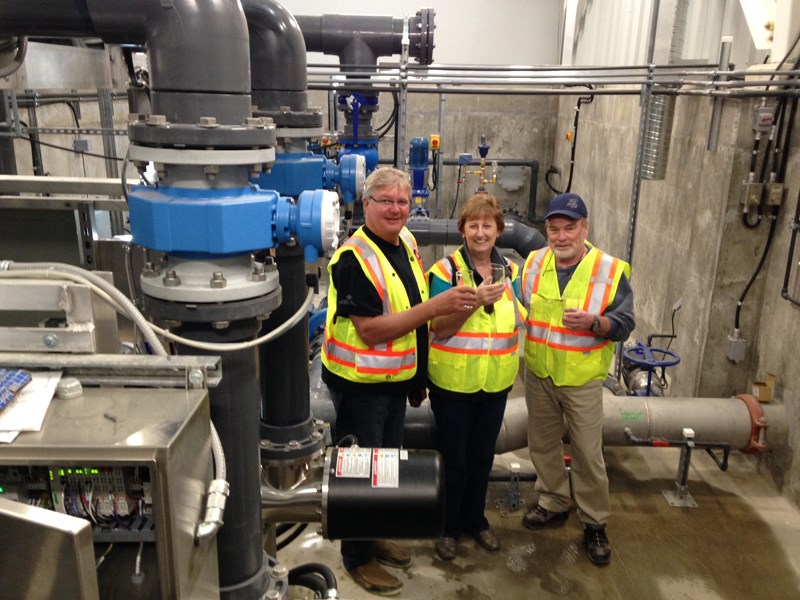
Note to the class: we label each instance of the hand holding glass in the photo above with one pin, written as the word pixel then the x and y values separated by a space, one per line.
pixel 498 273
pixel 464 277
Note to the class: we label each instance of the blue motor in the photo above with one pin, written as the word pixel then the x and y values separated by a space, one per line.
pixel 418 167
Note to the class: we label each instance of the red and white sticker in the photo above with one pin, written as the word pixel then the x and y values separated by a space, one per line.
pixel 353 462
pixel 385 467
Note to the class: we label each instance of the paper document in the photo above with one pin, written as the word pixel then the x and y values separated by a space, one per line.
pixel 28 408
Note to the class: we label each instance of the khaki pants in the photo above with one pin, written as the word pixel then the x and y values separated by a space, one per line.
pixel 580 408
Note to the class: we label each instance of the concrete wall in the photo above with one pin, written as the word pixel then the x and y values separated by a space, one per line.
pixel 690 245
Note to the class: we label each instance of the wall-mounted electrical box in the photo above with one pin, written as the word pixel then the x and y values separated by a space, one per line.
pixel 135 465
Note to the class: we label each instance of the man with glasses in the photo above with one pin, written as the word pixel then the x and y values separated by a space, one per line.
pixel 376 343
pixel 580 303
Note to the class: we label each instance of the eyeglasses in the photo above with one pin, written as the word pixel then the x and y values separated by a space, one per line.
pixel 387 202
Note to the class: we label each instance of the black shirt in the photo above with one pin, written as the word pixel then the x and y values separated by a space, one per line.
pixel 356 295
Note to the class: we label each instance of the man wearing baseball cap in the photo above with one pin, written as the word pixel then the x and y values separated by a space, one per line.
pixel 579 304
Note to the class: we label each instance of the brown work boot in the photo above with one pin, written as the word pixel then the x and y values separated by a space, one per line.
pixel 375 579
pixel 390 554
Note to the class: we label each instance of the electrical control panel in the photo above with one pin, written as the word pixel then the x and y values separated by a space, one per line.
pixel 135 463
pixel 116 501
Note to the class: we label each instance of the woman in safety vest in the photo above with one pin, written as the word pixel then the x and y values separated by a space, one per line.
pixel 472 364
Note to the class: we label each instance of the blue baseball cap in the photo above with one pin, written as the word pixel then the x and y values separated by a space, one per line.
pixel 570 206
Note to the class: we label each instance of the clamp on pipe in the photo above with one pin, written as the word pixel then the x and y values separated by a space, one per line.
pixel 758 422
pixel 218 493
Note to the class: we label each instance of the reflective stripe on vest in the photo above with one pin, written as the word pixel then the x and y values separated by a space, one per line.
pixel 373 265
pixel 377 359
pixel 483 354
pixel 343 352
pixel 595 302
pixel 562 338
pixel 463 342
pixel 532 275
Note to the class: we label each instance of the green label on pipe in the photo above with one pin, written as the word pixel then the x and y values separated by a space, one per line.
pixel 632 415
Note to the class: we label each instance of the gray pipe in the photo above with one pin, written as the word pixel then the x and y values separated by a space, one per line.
pixel 360 40
pixel 277 56
pixel 198 49
pixel 715 420
pixel 516 235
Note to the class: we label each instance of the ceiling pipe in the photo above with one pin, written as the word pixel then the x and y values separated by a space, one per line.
pixel 190 76
pixel 277 57
pixel 360 40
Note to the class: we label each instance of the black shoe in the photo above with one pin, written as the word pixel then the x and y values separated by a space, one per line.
pixel 596 542
pixel 539 517
pixel 488 540
pixel 446 548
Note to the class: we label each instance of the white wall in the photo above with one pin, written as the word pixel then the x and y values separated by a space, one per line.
pixel 468 31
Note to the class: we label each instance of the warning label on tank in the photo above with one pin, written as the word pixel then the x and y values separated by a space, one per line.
pixel 353 462
pixel 385 467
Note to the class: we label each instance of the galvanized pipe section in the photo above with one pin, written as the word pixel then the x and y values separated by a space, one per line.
pixel 716 113
pixel 723 420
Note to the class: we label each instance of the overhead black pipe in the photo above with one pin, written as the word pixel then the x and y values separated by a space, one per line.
pixel 516 235
pixel 360 40
pixel 277 57
pixel 197 49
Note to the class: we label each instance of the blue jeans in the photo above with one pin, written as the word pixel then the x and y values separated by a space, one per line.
pixel 466 434
pixel 376 421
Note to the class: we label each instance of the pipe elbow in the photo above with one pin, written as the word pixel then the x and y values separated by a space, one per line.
pixel 277 47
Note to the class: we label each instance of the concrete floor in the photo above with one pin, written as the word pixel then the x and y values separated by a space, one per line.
pixel 741 541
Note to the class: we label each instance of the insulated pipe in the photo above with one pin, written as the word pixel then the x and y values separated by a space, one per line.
pixel 741 422
pixel 190 76
pixel 516 235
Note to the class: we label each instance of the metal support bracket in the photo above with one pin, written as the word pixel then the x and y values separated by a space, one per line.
pixel 135 370
pixel 680 496
pixel 510 504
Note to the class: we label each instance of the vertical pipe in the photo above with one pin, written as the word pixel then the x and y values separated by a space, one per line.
pixel 234 412
pixel 8 158
pixel 439 155
pixel 110 151
pixel 284 362
pixel 716 114
pixel 402 108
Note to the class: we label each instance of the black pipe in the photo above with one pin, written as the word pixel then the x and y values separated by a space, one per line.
pixel 8 158
pixel 790 257
pixel 518 236
pixel 234 412
pixel 277 56
pixel 322 570
pixel 310 581
pixel 190 76
pixel 360 40
pixel 283 362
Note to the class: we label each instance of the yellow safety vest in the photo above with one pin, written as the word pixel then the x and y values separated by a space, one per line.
pixel 483 354
pixel 343 353
pixel 569 358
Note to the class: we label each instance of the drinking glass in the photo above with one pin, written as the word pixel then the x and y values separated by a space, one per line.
pixel 464 277
pixel 498 273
